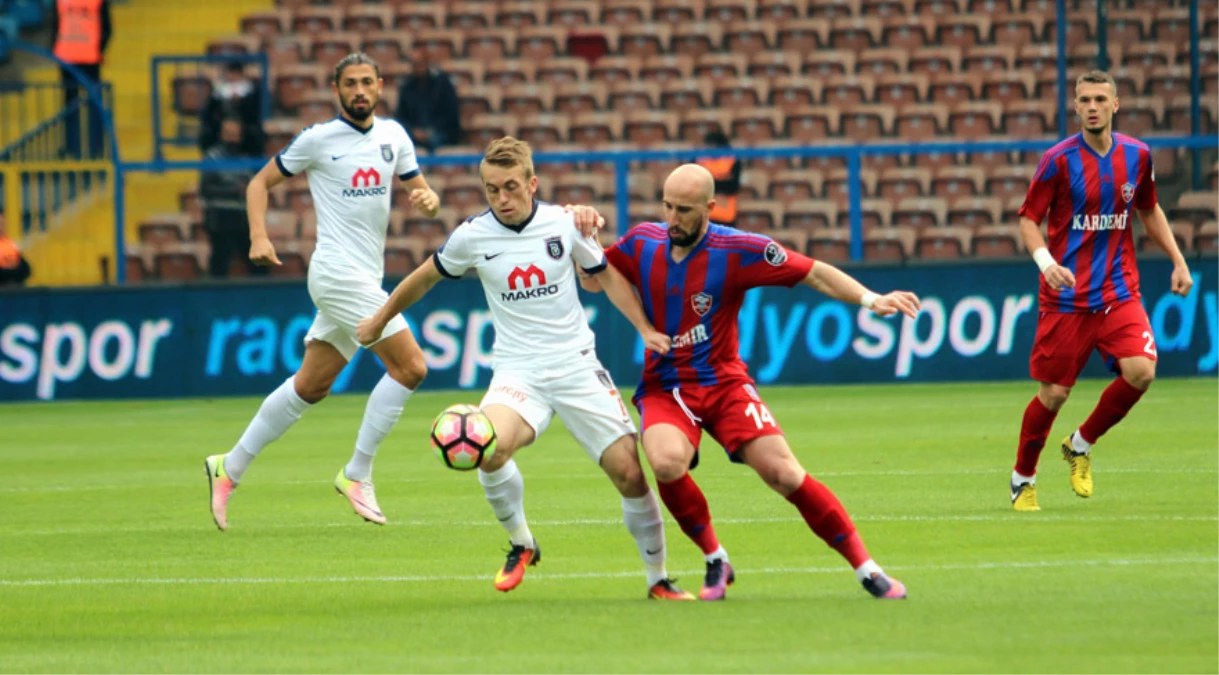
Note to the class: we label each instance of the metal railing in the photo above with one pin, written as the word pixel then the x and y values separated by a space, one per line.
pixel 70 132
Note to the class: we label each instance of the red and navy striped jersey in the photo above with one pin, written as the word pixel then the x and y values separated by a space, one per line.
pixel 696 301
pixel 1087 199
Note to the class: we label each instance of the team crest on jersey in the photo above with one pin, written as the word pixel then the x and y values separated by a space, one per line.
pixel 1128 192
pixel 554 247
pixel 701 303
pixel 605 379
pixel 775 255
pixel 387 152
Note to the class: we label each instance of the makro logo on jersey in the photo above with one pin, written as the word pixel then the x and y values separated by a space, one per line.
pixel 1116 221
pixel 532 283
pixel 61 353
pixel 366 183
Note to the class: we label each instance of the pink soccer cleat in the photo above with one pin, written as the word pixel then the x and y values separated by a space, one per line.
pixel 363 497
pixel 884 587
pixel 720 576
pixel 221 488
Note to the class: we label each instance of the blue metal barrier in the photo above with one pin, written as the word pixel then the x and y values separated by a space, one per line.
pixel 159 62
pixel 622 161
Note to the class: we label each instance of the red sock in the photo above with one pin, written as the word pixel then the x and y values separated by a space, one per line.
pixel 1034 429
pixel 1117 400
pixel 689 507
pixel 828 520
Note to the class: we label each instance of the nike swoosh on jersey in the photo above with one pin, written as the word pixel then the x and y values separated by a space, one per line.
pixel 488 256
pixel 335 158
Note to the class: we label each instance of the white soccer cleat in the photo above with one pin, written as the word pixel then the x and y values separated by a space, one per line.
pixel 363 497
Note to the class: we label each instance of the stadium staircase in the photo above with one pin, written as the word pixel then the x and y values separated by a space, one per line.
pixel 142 29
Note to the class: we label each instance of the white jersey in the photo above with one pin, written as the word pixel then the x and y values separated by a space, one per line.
pixel 350 173
pixel 531 287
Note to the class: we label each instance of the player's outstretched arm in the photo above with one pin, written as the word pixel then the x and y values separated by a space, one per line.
pixel 408 292
pixel 622 293
pixel 841 286
pixel 262 252
pixel 1156 224
pixel 1056 275
pixel 422 196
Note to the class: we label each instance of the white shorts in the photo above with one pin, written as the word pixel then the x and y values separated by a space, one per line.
pixel 342 302
pixel 582 394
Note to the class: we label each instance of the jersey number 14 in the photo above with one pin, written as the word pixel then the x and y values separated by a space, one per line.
pixel 760 414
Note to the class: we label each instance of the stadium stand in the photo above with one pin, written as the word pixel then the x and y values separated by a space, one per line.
pixel 580 75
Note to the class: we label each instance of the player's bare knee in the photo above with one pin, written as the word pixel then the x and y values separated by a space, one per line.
pixel 629 480
pixel 496 461
pixel 1140 376
pixel 668 467
pixel 312 391
pixel 1054 396
pixel 410 372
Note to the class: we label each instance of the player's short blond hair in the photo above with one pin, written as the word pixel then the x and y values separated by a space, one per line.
pixel 508 152
pixel 1097 77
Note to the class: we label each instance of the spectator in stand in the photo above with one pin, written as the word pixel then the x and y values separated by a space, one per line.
pixel 234 96
pixel 727 174
pixel 82 29
pixel 224 212
pixel 14 269
pixel 427 105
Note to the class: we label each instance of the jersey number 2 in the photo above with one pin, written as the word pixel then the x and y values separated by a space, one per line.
pixel 760 414
pixel 1150 347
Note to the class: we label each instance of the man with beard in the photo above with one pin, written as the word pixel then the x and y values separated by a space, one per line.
pixel 351 161
pixel 692 276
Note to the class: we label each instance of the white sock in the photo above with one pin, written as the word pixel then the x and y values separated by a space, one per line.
pixel 1080 444
pixel 867 569
pixel 644 522
pixel 1018 479
pixel 717 554
pixel 278 412
pixel 384 407
pixel 505 491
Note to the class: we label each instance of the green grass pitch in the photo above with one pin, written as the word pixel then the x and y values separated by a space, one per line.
pixel 109 561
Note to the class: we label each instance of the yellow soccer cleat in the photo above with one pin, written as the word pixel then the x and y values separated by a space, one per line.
pixel 1081 468
pixel 1024 497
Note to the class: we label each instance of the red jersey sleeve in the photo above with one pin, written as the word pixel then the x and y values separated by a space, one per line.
pixel 622 256
pixel 1041 191
pixel 770 264
pixel 1145 194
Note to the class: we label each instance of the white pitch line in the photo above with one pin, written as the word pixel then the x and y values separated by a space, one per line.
pixel 617 522
pixel 592 475
pixel 184 581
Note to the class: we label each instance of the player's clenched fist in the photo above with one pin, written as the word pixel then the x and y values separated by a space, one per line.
pixel 369 331
pixel 898 301
pixel 425 201
pixel 1182 281
pixel 1059 278
pixel 262 252
pixel 657 342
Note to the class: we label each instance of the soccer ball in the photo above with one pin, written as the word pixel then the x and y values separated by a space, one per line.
pixel 463 437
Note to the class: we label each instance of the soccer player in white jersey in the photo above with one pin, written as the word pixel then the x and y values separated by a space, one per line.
pixel 545 362
pixel 350 162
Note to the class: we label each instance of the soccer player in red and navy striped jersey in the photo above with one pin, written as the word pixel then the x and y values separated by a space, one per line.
pixel 692 275
pixel 1085 189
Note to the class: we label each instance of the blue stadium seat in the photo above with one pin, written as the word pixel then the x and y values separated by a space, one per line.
pixel 27 13
pixel 8 34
